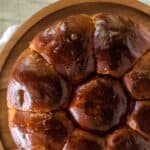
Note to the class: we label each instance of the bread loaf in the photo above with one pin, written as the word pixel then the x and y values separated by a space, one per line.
pixel 83 84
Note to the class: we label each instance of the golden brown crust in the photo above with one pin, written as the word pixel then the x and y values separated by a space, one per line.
pixel 139 119
pixel 81 140
pixel 41 130
pixel 118 43
pixel 99 104
pixel 126 139
pixel 71 76
pixel 137 80
pixel 68 46
pixel 35 86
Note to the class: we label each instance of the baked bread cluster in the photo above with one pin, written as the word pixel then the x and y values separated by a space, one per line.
pixel 83 84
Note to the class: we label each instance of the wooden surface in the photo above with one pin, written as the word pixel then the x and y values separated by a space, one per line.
pixel 25 33
pixel 1 146
pixel 18 10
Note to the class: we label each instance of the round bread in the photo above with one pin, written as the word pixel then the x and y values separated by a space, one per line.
pixel 83 84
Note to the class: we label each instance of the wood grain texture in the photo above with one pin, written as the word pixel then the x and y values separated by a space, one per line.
pixel 42 19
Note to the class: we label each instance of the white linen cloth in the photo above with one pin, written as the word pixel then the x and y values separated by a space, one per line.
pixel 7 35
